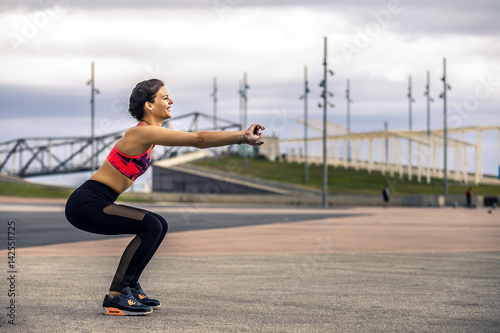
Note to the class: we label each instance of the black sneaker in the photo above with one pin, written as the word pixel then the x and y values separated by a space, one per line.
pixel 124 305
pixel 141 296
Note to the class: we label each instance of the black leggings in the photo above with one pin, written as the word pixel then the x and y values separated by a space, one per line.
pixel 91 208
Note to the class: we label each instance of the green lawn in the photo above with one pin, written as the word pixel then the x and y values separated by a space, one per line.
pixel 32 190
pixel 340 180
pixel 43 191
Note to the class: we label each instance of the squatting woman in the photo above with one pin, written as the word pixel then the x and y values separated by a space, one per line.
pixel 92 206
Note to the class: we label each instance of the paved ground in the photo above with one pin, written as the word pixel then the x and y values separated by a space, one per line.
pixel 357 270
pixel 44 223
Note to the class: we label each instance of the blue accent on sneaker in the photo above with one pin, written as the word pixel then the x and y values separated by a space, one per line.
pixel 141 296
pixel 124 305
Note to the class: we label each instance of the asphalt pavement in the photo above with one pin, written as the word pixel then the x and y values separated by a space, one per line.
pixel 297 293
pixel 45 223
pixel 313 270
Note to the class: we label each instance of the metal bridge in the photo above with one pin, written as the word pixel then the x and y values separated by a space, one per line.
pixel 29 157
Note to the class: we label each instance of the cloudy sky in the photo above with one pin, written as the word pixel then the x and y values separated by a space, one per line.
pixel 47 46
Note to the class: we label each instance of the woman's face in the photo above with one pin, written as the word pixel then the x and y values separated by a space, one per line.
pixel 162 104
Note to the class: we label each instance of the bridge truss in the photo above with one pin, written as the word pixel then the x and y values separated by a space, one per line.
pixel 29 157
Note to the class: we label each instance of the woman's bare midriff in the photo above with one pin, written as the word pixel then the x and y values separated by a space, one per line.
pixel 108 175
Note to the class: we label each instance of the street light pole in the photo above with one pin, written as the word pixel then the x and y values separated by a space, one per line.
pixel 410 102
pixel 325 164
pixel 429 100
pixel 245 101
pixel 348 103
pixel 325 105
pixel 304 97
pixel 410 125
pixel 244 98
pixel 386 129
pixel 214 95
pixel 240 92
pixel 446 87
pixel 93 91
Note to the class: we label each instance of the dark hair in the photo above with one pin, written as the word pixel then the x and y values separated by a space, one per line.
pixel 143 92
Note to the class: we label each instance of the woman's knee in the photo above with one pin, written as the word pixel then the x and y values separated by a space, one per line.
pixel 162 221
pixel 156 224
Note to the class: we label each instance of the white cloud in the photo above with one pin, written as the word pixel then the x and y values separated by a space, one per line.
pixel 187 47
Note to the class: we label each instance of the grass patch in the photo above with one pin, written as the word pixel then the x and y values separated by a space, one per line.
pixel 340 180
pixel 32 190
pixel 47 191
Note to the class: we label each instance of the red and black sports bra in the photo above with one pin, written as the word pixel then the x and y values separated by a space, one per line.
pixel 130 166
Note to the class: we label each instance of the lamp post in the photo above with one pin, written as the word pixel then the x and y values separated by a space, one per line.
pixel 325 105
pixel 410 125
pixel 446 87
pixel 386 129
pixel 244 98
pixel 93 91
pixel 348 121
pixel 410 102
pixel 214 95
pixel 304 97
pixel 429 100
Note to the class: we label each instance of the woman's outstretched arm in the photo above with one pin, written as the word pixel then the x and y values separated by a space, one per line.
pixel 165 137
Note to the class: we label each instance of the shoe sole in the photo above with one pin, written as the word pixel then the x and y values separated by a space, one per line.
pixel 108 311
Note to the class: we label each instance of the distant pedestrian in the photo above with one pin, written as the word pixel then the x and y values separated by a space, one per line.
pixel 468 197
pixel 385 195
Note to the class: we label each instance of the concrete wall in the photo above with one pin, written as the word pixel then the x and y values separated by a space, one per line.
pixel 172 181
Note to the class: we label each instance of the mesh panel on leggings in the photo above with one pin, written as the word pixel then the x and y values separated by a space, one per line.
pixel 121 272
pixel 119 281
pixel 124 211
